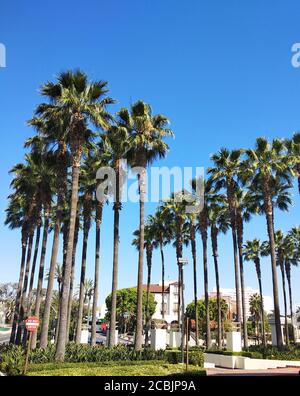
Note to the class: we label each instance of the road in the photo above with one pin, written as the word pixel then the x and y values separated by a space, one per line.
pixel 102 339
pixel 4 337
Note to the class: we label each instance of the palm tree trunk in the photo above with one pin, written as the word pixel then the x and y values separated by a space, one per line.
pixel 114 286
pixel 147 316
pixel 25 284
pixel 99 209
pixel 232 210
pixel 139 316
pixel 27 307
pixel 20 283
pixel 258 272
pixel 63 316
pixel 41 273
pixel 163 279
pixel 240 249
pixel 70 301
pixel 285 303
pixel 193 248
pixel 61 191
pixel 205 275
pixel 288 276
pixel 82 279
pixel 214 242
pixel 270 225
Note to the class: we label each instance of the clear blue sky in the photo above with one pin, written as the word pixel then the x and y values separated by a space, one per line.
pixel 221 71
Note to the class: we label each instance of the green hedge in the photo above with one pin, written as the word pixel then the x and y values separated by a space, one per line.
pixel 12 357
pixel 291 352
pixel 195 356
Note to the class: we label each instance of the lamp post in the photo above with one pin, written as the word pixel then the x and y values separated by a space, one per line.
pixel 181 263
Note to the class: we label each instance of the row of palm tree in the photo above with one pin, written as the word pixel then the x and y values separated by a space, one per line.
pixel 56 189
pixel 64 135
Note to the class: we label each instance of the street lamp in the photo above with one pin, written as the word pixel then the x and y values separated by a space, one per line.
pixel 181 263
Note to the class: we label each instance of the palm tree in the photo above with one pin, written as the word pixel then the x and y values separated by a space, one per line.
pixel 280 246
pixel 224 174
pixel 79 101
pixel 266 162
pixel 163 235
pixel 244 209
pixel 256 309
pixel 16 217
pixel 146 133
pixel 25 184
pixel 219 221
pixel 88 187
pixel 150 243
pixel 293 245
pixel 115 145
pixel 253 251
pixel 99 161
pixel 53 130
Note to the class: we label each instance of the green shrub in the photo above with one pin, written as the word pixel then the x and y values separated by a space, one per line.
pixel 196 356
pixel 12 360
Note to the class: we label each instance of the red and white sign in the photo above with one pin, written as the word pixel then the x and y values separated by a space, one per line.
pixel 32 323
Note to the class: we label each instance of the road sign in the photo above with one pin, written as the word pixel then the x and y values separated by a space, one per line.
pixel 32 323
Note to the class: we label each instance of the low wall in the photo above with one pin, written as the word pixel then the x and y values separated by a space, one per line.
pixel 246 363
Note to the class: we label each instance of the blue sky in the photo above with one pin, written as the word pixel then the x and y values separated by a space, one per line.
pixel 221 71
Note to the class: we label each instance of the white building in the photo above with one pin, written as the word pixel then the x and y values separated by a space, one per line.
pixel 268 301
pixel 170 300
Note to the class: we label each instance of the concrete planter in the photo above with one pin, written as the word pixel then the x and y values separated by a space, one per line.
pixel 246 363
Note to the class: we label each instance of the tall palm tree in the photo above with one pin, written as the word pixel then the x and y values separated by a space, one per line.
pixel 163 234
pixel 264 163
pixel 253 251
pixel 293 247
pixel 150 243
pixel 78 101
pixel 219 221
pixel 256 309
pixel 54 130
pixel 87 187
pixel 225 175
pixel 25 184
pixel 16 217
pixel 244 209
pixel 100 160
pixel 146 133
pixel 280 246
pixel 115 146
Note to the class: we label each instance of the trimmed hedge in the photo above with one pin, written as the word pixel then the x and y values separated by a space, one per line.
pixel 12 357
pixel 291 352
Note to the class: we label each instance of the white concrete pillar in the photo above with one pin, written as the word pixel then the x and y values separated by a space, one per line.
pixel 175 339
pixel 158 339
pixel 84 339
pixel 234 341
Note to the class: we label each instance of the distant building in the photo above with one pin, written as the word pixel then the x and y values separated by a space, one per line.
pixel 229 295
pixel 170 300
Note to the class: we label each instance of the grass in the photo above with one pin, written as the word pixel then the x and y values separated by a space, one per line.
pixel 149 368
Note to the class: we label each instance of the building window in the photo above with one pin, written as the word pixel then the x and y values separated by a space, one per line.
pixel 175 307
